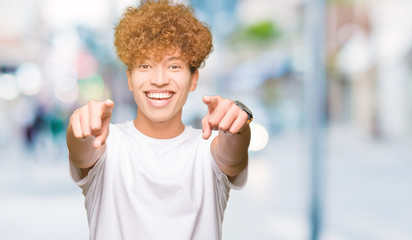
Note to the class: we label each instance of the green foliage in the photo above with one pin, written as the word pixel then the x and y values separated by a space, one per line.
pixel 262 31
pixel 91 87
pixel 259 33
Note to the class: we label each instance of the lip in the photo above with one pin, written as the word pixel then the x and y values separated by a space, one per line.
pixel 158 98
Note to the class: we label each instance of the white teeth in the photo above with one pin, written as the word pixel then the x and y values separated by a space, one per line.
pixel 159 95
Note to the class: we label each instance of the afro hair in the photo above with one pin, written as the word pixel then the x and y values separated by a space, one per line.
pixel 156 29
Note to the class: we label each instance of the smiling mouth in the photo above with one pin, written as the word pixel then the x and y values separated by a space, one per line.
pixel 159 96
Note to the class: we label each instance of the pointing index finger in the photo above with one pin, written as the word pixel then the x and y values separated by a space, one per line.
pixel 210 101
pixel 99 111
pixel 107 107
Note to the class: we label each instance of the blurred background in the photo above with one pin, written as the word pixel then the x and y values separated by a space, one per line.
pixel 332 135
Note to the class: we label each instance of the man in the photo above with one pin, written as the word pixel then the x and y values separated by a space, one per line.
pixel 154 177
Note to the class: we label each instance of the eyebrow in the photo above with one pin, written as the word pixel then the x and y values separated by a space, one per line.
pixel 172 58
pixel 168 59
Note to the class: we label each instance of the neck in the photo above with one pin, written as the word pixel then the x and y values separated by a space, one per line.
pixel 160 130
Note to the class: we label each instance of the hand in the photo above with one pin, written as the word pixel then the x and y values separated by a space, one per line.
pixel 93 119
pixel 224 115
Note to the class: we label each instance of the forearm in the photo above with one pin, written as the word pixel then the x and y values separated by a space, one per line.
pixel 231 151
pixel 81 151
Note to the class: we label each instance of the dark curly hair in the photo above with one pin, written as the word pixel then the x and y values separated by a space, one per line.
pixel 155 29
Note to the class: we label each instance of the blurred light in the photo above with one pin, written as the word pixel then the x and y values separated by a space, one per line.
pixel 9 89
pixel 12 23
pixel 92 87
pixel 67 96
pixel 354 56
pixel 300 59
pixel 223 22
pixel 65 45
pixel 60 13
pixel 87 65
pixel 346 32
pixel 259 138
pixel 29 78
pixel 65 78
pixel 25 112
pixel 259 179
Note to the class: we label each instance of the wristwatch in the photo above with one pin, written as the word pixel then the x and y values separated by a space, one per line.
pixel 246 109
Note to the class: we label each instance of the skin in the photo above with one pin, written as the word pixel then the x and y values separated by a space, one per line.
pixel 160 89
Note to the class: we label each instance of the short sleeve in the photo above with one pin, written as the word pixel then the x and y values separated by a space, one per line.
pixel 85 182
pixel 240 180
pixel 238 183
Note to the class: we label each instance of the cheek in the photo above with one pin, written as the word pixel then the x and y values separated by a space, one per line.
pixel 137 83
pixel 186 82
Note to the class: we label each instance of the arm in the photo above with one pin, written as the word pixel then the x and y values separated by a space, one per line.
pixel 230 147
pixel 87 133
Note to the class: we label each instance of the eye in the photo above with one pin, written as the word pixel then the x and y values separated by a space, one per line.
pixel 175 67
pixel 144 66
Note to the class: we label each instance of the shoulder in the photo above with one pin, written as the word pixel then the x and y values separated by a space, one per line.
pixel 121 128
pixel 124 126
pixel 191 132
pixel 120 132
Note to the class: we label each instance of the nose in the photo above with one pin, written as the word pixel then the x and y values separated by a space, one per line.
pixel 160 78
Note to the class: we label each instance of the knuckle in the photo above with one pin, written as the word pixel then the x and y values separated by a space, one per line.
pixel 244 116
pixel 237 108
pixel 232 131
pixel 86 131
pixel 213 122
pixel 78 135
pixel 94 127
pixel 95 132
pixel 205 120
pixel 226 102
pixel 223 127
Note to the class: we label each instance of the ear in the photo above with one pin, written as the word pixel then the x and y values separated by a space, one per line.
pixel 129 79
pixel 195 78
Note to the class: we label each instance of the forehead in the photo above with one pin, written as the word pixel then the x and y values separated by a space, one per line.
pixel 174 56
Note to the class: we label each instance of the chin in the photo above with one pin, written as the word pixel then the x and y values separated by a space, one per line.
pixel 159 118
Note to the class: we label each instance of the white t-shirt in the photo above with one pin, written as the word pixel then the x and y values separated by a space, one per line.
pixel 146 188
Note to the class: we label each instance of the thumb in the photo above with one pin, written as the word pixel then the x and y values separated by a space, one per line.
pixel 101 139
